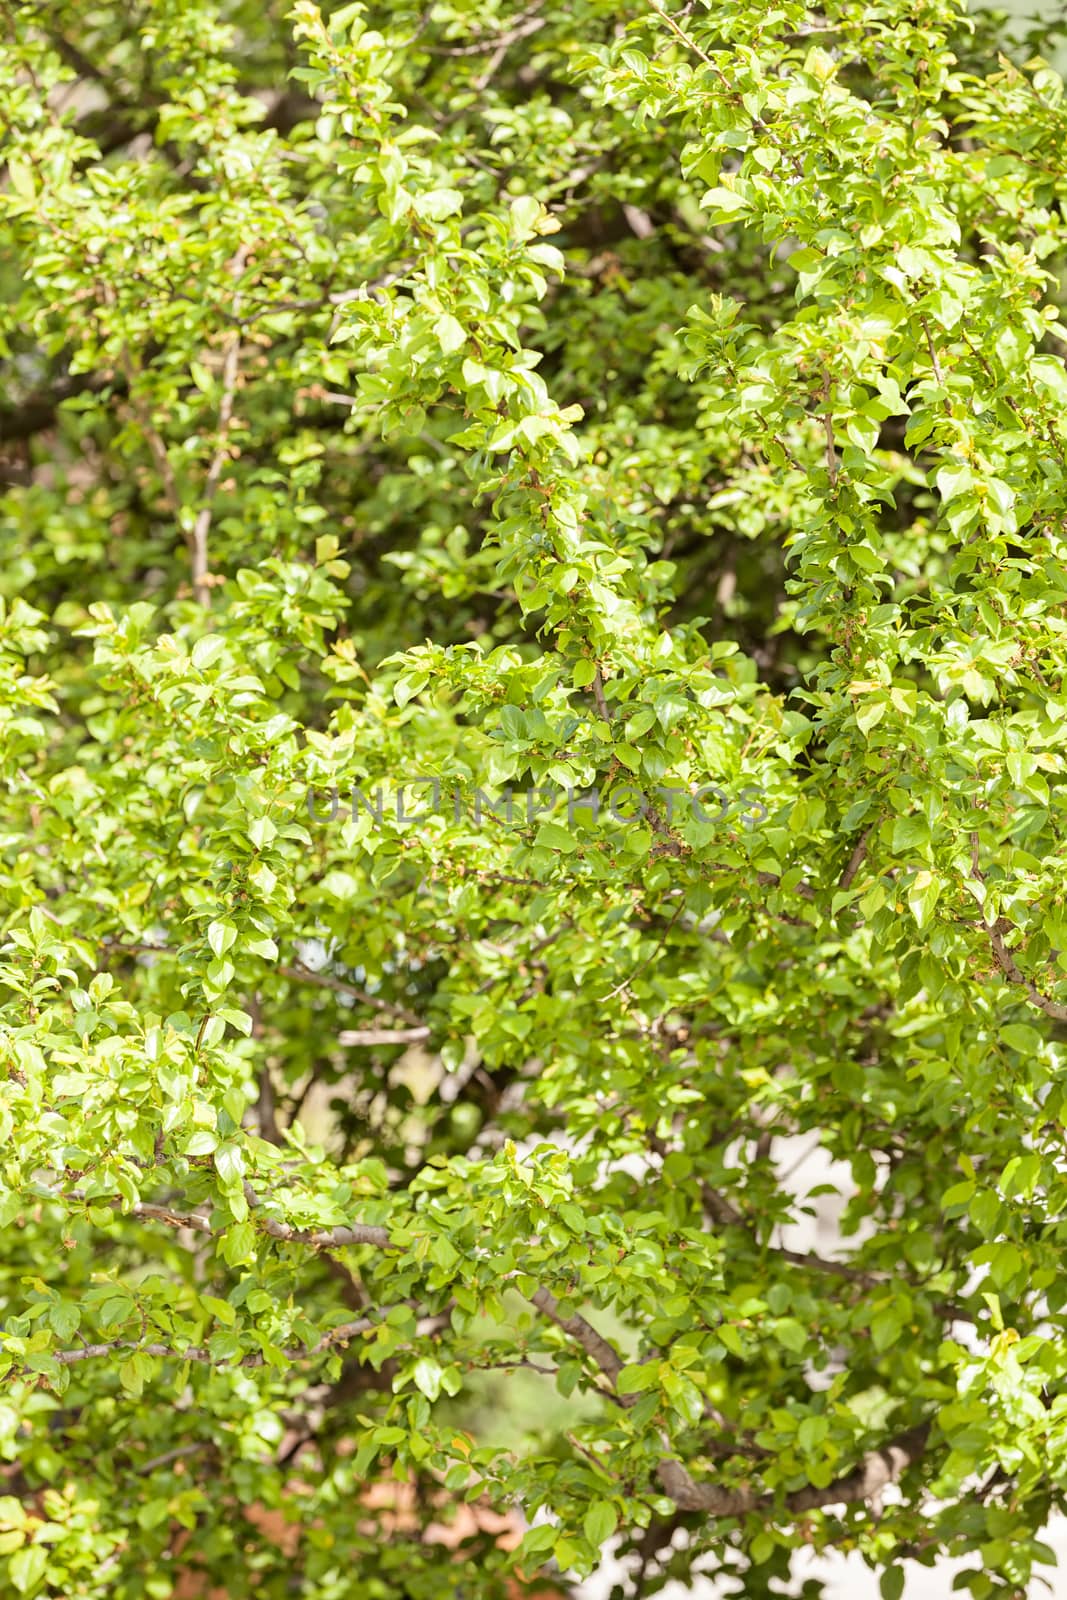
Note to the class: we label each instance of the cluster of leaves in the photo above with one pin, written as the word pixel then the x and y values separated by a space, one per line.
pixel 414 404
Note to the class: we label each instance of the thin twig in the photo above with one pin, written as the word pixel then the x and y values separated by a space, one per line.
pixel 335 1336
pixel 528 23
pixel 598 696
pixel 689 43
pixel 174 1455
pixel 1014 974
pixel 298 973
pixel 1007 963
pixel 202 525
pixel 935 363
pixel 828 425
pixel 365 1036
pixel 865 1481
pixel 855 860
pixel 642 966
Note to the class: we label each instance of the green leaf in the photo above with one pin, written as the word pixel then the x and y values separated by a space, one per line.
pixel 635 1378
pixel 730 1337
pixel 788 1332
pixel 21 177
pixel 891 1583
pixel 525 213
pixel 230 1163
pixel 497 744
pixel 221 936
pixel 131 1377
pixel 27 1567
pixel 537 1541
pixel 923 894
pixel 427 1375
pixel 723 200
pixel 219 1308
pixel 953 480
pixel 438 204
pixel 551 836
pixel 449 333
pixel 600 1522
pixel 869 713
pixel 201 1143
pixel 206 651
pixel 64 1318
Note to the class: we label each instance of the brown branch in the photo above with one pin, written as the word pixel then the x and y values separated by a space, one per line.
pixel 528 23
pixel 691 44
pixel 143 1210
pixel 828 425
pixel 39 412
pixel 594 1344
pixel 354 1036
pixel 255 1358
pixel 865 1481
pixel 643 966
pixel 318 1238
pixel 839 1269
pixel 202 525
pixel 327 1238
pixel 771 880
pixel 342 1235
pixel 153 438
pixel 718 1208
pixel 174 1455
pixel 1014 974
pixel 598 696
pixel 266 1107
pixel 119 123
pixel 855 860
pixel 266 1099
pixel 173 1219
pixel 934 362
pixel 722 1211
pixel 499 56
pixel 325 980
pixel 1004 958
pixel 335 1336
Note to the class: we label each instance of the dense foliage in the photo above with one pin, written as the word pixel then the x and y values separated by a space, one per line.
pixel 660 414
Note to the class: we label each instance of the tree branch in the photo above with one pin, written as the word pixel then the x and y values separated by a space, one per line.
pixel 286 1232
pixel 327 1238
pixel 202 525
pixel 1014 974
pixel 354 1036
pixel 828 427
pixel 855 860
pixel 582 1332
pixel 38 412
pixel 255 1358
pixel 863 1482
pixel 1004 958
pixel 325 980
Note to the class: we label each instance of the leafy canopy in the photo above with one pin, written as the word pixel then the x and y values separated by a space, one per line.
pixel 408 404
